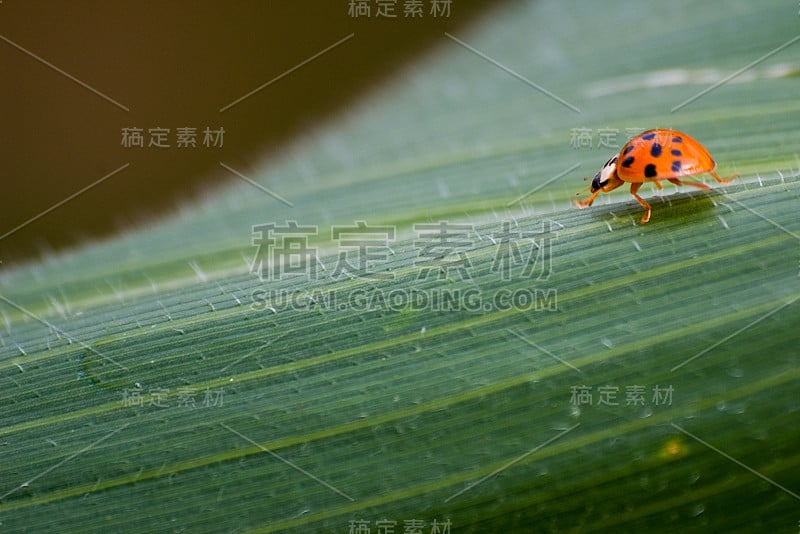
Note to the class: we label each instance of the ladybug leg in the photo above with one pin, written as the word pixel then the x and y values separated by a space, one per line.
pixel 612 184
pixel 723 181
pixel 588 202
pixel 634 188
pixel 698 185
pixel 658 185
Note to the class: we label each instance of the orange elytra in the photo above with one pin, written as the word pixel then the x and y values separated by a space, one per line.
pixel 652 156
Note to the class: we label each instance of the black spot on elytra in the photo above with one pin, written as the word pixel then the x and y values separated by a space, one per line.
pixel 675 152
pixel 627 149
pixel 648 136
pixel 650 170
pixel 677 140
pixel 627 162
pixel 655 150
pixel 676 166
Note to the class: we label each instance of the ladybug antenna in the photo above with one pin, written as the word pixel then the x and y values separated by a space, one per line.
pixel 585 178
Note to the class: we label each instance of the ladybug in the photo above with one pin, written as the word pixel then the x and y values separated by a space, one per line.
pixel 652 156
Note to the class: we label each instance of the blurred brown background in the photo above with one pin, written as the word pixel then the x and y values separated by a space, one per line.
pixel 173 64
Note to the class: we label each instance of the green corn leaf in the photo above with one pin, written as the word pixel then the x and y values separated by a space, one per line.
pixel 558 370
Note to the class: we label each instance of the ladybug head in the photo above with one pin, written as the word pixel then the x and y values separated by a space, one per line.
pixel 601 178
